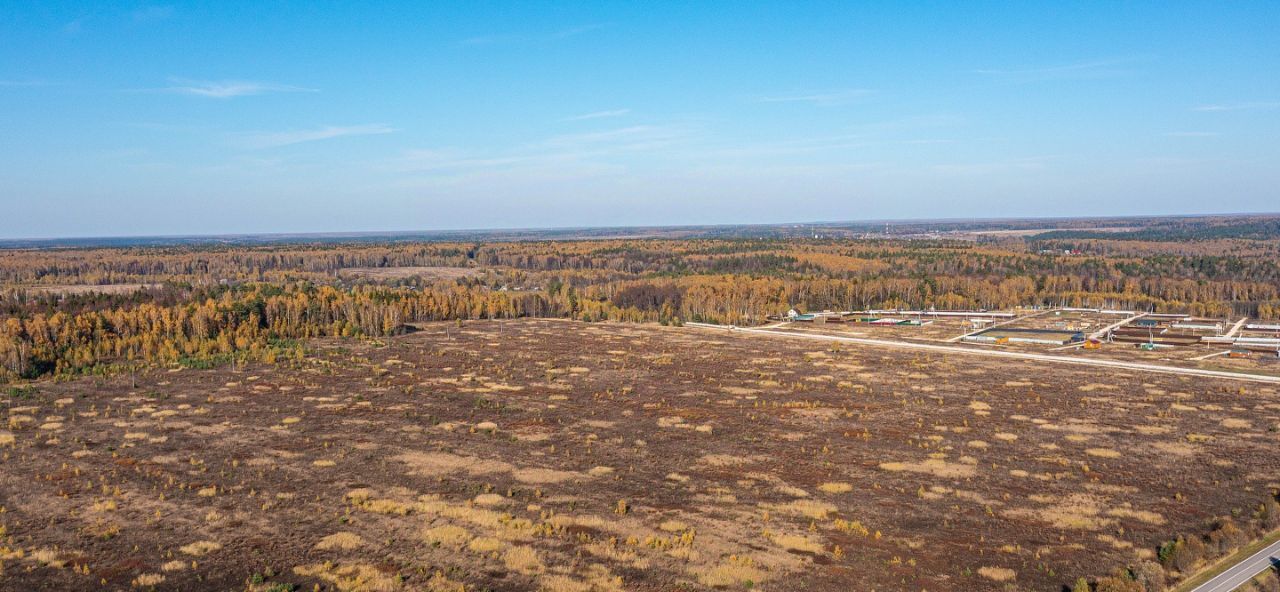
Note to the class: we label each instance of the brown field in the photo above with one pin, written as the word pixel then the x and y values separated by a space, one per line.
pixel 562 456
pixel 76 289
pixel 395 273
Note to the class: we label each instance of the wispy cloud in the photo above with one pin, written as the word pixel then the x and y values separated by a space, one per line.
pixel 150 14
pixel 1192 134
pixel 498 39
pixel 598 115
pixel 227 89
pixel 1240 106
pixel 636 137
pixel 593 151
pixel 23 83
pixel 286 138
pixel 1079 70
pixel 1033 163
pixel 826 99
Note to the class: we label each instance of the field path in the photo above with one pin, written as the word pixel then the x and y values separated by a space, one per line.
pixel 954 349
pixel 1001 324
pixel 1100 333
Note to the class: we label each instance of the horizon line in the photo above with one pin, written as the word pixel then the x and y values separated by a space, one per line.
pixel 388 233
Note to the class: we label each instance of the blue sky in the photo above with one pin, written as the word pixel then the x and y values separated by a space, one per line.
pixel 125 119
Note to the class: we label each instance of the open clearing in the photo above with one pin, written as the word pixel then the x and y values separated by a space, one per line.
pixel 563 456
pixel 383 274
pixel 77 289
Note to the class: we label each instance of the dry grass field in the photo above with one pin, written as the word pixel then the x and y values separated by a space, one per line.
pixel 562 456
pixel 382 274
pixel 78 289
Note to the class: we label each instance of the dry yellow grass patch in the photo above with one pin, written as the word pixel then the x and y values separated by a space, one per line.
pixel 1175 448
pixel 979 406
pixel 933 466
pixel 795 542
pixel 175 565
pixel 735 572
pixel 200 548
pixel 487 426
pixel 523 559
pixel 446 536
pixel 534 476
pixel 386 506
pixel 7 439
pixel 999 574
pixel 323 463
pixel 47 557
pixel 1075 512
pixel 431 464
pixel 804 507
pixel 360 495
pixel 489 499
pixel 290 420
pixel 673 526
pixel 600 471
pixel 442 583
pixel 351 577
pixel 1140 515
pixel 1236 424
pixel 835 487
pixel 1007 437
pixel 52 425
pixel 674 421
pixel 207 491
pixel 345 541
pixel 792 491
pixel 1102 452
pixel 148 579
pixel 722 460
pixel 485 545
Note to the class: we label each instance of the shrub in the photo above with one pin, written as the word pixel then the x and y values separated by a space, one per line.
pixel 1150 575
pixel 1119 581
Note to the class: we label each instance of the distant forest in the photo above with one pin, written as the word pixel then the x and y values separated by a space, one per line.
pixel 207 304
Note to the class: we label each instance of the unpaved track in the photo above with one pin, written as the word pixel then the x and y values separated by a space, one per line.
pixel 1100 333
pixel 1001 324
pixel 955 349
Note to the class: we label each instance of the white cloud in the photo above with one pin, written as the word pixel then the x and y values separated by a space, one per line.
pixel 599 115
pixel 226 89
pixel 839 97
pixel 286 138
